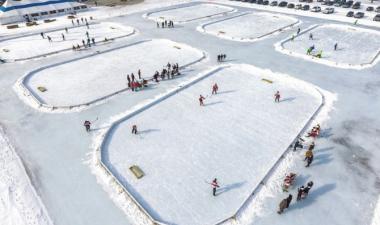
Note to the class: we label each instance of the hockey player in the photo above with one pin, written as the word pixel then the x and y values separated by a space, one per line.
pixel 214 186
pixel 201 98
pixel 215 89
pixel 134 129
pixel 284 204
pixel 298 144
pixel 309 157
pixel 300 192
pixel 277 96
pixel 87 125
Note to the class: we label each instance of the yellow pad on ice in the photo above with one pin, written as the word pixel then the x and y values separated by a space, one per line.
pixel 136 171
pixel 268 81
pixel 42 89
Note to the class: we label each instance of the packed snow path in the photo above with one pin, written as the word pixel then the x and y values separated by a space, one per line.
pixel 356 47
pixel 101 75
pixel 35 45
pixel 249 26
pixel 190 13
pixel 237 137
pixel 19 203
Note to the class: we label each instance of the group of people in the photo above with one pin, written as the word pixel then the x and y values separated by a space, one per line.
pixel 165 24
pixel 169 72
pixel 81 21
pixel 221 57
pixel 302 191
pixel 214 91
pixel 136 84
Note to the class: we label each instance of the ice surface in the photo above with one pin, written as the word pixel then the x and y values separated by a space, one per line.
pixel 237 137
pixel 91 78
pixel 186 14
pixel 248 27
pixel 356 46
pixel 35 45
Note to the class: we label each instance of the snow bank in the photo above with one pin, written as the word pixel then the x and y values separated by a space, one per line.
pixel 73 85
pixel 183 14
pixel 34 46
pixel 249 27
pixel 19 203
pixel 358 48
pixel 376 214
pixel 235 193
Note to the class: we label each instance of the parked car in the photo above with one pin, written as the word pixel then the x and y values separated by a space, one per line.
pixel 376 18
pixel 359 15
pixel 266 2
pixel 377 9
pixel 348 4
pixel 290 6
pixel 302 0
pixel 253 1
pixel 309 1
pixel 283 4
pixel 328 10
pixel 356 5
pixel 298 6
pixel 350 14
pixel 370 9
pixel 319 0
pixel 316 9
pixel 305 7
pixel 338 4
pixel 260 2
pixel 274 3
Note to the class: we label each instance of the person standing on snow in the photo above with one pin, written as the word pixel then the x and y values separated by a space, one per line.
pixel 277 96
pixel 336 46
pixel 87 125
pixel 299 193
pixel 298 31
pixel 201 98
pixel 139 74
pixel 298 144
pixel 43 35
pixel 311 146
pixel 134 129
pixel 215 89
pixel 214 186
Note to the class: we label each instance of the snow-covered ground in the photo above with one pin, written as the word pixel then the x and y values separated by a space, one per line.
pixel 34 45
pixel 54 146
pixel 19 203
pixel 233 137
pixel 190 13
pixel 357 47
pixel 249 26
pixel 89 79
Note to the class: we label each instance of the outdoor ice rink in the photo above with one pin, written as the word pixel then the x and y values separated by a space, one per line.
pixel 237 137
pixel 190 13
pixel 250 26
pixel 34 45
pixel 356 46
pixel 103 74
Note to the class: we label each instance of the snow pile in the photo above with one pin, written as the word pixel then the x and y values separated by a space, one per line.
pixel 249 26
pixel 358 48
pixel 183 166
pixel 85 81
pixel 19 203
pixel 184 14
pixel 34 45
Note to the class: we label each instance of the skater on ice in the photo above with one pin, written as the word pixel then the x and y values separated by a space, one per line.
pixel 298 144
pixel 87 125
pixel 336 46
pixel 303 192
pixel 298 31
pixel 309 156
pixel 214 186
pixel 311 36
pixel 201 98
pixel 134 129
pixel 215 89
pixel 43 35
pixel 277 96
pixel 284 204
